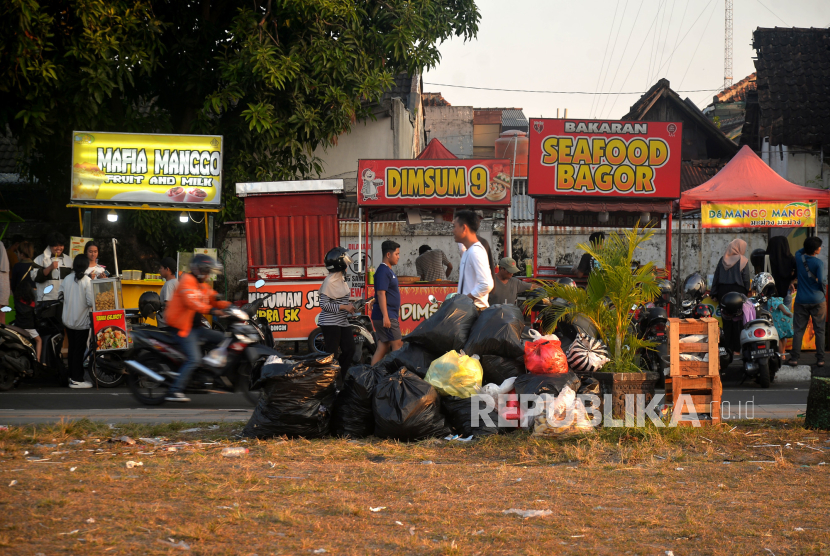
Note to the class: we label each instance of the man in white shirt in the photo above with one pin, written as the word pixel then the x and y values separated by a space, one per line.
pixel 52 267
pixel 475 278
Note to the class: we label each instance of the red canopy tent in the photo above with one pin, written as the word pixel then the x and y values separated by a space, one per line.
pixel 436 151
pixel 748 178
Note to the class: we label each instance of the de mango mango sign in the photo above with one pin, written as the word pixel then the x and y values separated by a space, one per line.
pixel 764 215
pixel 599 158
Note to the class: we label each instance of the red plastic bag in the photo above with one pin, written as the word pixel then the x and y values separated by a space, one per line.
pixel 545 357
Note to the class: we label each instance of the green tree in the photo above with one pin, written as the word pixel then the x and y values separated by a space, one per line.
pixel 276 78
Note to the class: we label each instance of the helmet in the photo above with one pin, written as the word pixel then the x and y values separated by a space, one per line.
pixel 694 285
pixel 732 304
pixel 763 284
pixel 337 259
pixel 203 266
pixel 702 311
pixel 757 259
pixel 149 304
pixel 666 288
pixel 567 282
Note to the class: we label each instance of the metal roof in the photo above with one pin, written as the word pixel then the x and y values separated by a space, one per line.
pixel 298 186
pixel 513 119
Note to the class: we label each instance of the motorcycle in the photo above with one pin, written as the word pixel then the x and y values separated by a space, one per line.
pixel 227 367
pixel 650 323
pixel 364 335
pixel 692 307
pixel 17 352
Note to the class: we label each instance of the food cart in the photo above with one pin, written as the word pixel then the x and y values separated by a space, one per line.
pixel 290 226
pixel 139 171
pixel 599 173
pixel 424 188
pixel 747 193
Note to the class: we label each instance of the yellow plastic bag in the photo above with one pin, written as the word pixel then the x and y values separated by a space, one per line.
pixel 455 375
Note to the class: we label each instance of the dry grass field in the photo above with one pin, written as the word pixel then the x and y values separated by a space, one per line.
pixel 759 488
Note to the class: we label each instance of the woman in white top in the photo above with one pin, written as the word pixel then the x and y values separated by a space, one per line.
pixel 95 270
pixel 77 303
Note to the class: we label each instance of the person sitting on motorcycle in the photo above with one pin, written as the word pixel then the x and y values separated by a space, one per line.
pixel 193 297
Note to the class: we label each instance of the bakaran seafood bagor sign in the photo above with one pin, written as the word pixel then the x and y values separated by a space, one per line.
pixel 599 158
pixel 453 182
pixel 129 168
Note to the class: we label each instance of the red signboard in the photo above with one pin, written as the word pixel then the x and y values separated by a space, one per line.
pixel 458 182
pixel 598 158
pixel 415 304
pixel 110 330
pixel 290 307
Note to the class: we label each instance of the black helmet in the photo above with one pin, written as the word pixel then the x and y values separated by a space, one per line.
pixel 202 266
pixel 694 285
pixel 567 282
pixel 149 304
pixel 665 286
pixel 757 259
pixel 732 304
pixel 337 259
pixel 702 311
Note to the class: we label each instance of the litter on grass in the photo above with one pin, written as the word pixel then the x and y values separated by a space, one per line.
pixel 11 484
pixel 127 440
pixel 379 508
pixel 131 464
pixel 72 469
pixel 173 544
pixel 528 513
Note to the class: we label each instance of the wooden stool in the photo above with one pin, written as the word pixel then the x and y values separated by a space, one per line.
pixel 698 379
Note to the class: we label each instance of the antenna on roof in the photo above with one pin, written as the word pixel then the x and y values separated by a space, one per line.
pixel 727 46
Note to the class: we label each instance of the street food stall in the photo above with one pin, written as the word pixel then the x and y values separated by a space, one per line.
pixel 600 173
pixel 289 227
pixel 747 193
pixel 142 171
pixel 421 189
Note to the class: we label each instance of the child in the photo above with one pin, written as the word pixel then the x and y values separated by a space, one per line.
pixel 24 307
pixel 782 318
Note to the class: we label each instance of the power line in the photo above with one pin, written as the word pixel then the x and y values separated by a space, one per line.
pixel 652 62
pixel 703 11
pixel 627 41
pixel 613 49
pixel 608 42
pixel 773 13
pixel 558 92
pixel 698 45
pixel 666 38
pixel 682 19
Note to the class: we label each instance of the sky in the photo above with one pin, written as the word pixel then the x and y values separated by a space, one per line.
pixel 606 46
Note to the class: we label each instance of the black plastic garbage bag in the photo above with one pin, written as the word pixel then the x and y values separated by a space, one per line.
pixel 497 369
pixel 498 331
pixel 459 412
pixel 298 395
pixel 546 384
pixel 589 386
pixel 352 415
pixel 407 408
pixel 448 328
pixel 413 357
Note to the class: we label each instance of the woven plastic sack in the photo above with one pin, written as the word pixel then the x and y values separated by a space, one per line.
pixel 587 355
pixel 545 357
pixel 455 375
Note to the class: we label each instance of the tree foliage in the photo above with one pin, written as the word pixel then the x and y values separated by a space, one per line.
pixel 276 78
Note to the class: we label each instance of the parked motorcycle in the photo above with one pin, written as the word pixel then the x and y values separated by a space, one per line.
pixel 17 351
pixel 692 307
pixel 365 339
pixel 227 367
pixel 759 337
pixel 651 323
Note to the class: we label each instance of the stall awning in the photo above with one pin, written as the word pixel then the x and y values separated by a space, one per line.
pixel 436 151
pixel 546 204
pixel 747 178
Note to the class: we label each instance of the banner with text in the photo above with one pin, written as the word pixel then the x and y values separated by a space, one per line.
pixel 290 308
pixel 453 182
pixel 172 170
pixel 596 158
pixel 764 215
pixel 110 330
pixel 415 303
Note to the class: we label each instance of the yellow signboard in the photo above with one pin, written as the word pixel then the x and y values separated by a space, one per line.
pixel 758 215
pixel 138 168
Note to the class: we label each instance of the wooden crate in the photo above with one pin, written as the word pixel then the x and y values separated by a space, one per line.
pixel 698 379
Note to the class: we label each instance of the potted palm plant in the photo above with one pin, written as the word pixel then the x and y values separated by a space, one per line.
pixel 614 288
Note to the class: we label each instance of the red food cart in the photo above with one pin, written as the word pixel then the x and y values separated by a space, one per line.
pixel 425 188
pixel 599 173
pixel 289 228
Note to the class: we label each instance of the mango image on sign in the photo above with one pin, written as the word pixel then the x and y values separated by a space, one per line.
pixel 86 180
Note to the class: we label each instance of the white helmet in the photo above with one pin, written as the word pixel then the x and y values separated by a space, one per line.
pixel 764 284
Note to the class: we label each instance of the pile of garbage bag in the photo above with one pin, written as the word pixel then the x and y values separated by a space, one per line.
pixel 405 407
pixel 411 356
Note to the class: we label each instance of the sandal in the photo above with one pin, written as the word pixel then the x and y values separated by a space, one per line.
pixel 792 362
pixel 819 363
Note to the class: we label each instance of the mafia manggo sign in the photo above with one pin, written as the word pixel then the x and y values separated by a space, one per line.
pixel 604 158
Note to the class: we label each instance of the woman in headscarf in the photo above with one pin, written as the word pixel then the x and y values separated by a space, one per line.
pixel 782 264
pixel 732 275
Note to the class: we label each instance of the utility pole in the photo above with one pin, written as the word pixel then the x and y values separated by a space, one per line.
pixel 727 46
